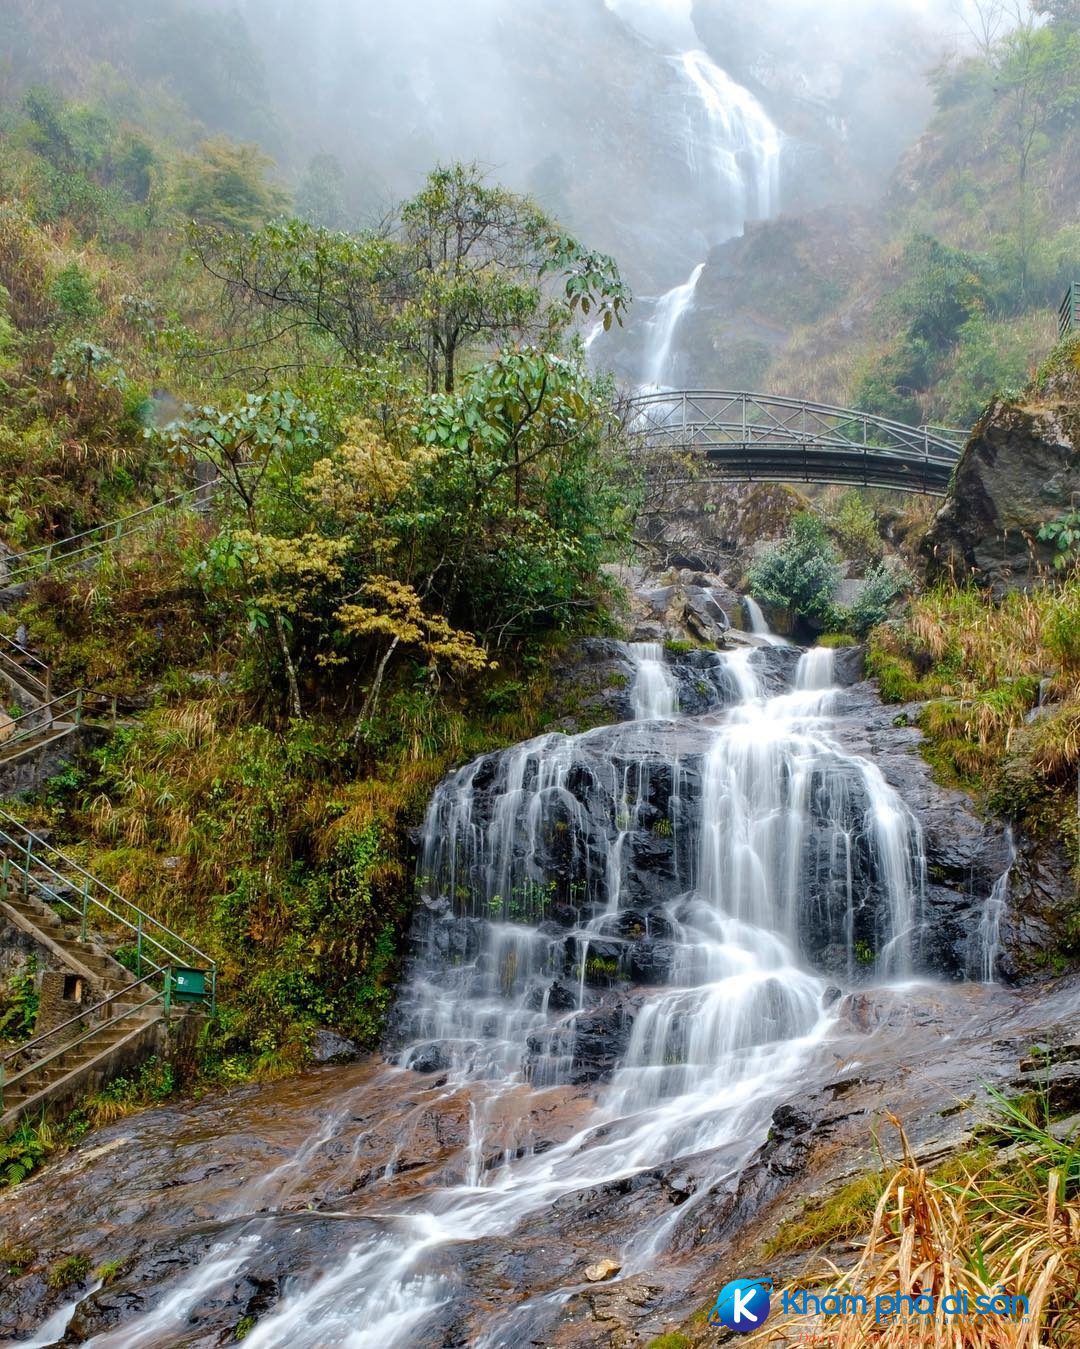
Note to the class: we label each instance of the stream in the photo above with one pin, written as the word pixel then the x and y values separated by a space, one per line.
pixel 633 945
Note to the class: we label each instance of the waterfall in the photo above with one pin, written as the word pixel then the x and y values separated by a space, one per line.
pixel 758 624
pixel 731 147
pixel 653 910
pixel 816 669
pixel 741 141
pixel 986 940
pixel 654 694
pixel 661 331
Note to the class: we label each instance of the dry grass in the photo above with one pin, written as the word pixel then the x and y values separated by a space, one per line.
pixel 1012 1230
pixel 980 667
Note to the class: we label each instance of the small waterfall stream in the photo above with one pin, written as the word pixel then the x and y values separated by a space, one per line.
pixel 732 149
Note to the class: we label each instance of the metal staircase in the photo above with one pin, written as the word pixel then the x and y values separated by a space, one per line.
pixel 122 1009
pixel 84 923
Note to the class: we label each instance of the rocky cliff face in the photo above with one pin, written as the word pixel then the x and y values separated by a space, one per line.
pixel 1020 468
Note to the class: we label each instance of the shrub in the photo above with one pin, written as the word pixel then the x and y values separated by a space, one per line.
pixel 882 585
pixel 801 573
pixel 73 292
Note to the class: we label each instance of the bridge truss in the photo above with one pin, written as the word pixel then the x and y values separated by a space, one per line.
pixel 760 438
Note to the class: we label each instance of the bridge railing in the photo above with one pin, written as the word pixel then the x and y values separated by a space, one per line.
pixel 91 543
pixel 752 436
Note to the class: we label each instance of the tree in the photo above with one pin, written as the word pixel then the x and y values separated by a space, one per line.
pixel 1062 13
pixel 466 266
pixel 320 197
pixel 226 185
pixel 801 573
pixel 248 445
pixel 1037 78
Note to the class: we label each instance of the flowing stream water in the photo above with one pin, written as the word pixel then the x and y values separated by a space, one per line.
pixel 693 854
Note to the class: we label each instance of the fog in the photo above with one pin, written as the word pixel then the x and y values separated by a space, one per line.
pixel 655 129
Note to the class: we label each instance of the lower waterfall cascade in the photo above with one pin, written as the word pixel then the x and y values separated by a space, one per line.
pixel 663 913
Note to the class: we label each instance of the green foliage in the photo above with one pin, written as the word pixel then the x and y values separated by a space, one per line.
pixel 464 269
pixel 19 1005
pixel 153 1083
pixel 801 573
pixel 109 1272
pixel 15 1258
pixel 227 186
pixel 320 197
pixel 855 526
pixel 883 584
pixel 74 293
pixel 71 1269
pixel 1063 533
pixel 844 1214
pixel 23 1151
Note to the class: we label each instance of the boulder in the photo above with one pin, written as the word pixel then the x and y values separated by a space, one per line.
pixel 327 1046
pixel 1020 468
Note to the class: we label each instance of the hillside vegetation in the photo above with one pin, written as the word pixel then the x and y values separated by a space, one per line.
pixel 916 307
pixel 417 484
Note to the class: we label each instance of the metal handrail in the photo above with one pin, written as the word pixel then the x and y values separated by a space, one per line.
pixel 1068 310
pixel 79 1016
pixel 30 683
pixel 33 850
pixel 27 656
pixel 76 694
pixel 45 555
pixel 68 1045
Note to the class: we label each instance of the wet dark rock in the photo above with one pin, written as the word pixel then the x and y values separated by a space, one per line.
pixel 327 1046
pixel 589 1044
pixel 789 1120
pixel 431 1058
pixel 1036 926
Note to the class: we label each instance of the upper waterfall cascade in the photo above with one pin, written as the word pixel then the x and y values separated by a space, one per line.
pixel 731 147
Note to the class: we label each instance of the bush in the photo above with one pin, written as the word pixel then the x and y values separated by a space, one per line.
pixel 801 573
pixel 855 527
pixel 882 585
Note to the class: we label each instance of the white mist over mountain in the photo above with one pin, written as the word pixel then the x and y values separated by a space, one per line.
pixel 654 129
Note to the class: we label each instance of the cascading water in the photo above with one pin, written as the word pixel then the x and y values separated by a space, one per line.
pixel 732 149
pixel 759 625
pixel 816 669
pixel 660 335
pixel 986 940
pixel 654 693
pixel 727 865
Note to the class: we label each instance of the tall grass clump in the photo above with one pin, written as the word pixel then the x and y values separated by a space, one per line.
pixel 1009 1228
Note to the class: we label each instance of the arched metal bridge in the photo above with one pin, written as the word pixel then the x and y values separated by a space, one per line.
pixel 760 438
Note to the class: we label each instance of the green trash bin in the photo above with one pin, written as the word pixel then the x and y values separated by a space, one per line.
pixel 189 985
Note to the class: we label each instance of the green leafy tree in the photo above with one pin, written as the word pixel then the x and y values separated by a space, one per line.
pixel 468 267
pixel 253 445
pixel 227 185
pixel 320 196
pixel 884 582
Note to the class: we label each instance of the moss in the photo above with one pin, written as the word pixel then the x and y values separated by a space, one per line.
pixel 15 1258
pixel 842 1215
pixel 672 1341
pixel 71 1269
pixel 834 640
